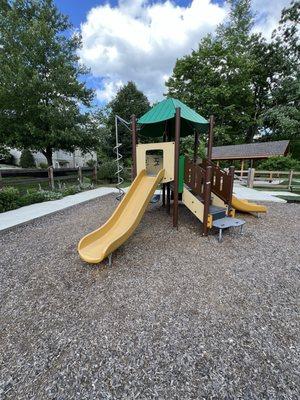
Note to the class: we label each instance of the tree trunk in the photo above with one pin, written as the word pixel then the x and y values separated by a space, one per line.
pixel 48 154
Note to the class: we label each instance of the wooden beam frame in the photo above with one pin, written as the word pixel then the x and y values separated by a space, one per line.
pixel 134 143
pixel 176 167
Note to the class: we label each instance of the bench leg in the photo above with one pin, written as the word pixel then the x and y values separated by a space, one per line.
pixel 220 235
pixel 110 260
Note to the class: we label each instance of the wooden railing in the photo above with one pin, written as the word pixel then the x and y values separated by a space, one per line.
pixel 221 181
pixel 194 177
pixel 198 180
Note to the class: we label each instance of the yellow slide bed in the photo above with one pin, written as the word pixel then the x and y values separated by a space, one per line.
pixel 97 245
pixel 246 206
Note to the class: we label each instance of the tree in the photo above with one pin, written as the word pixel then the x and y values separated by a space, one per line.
pixel 283 116
pixel 41 95
pixel 231 75
pixel 128 101
pixel 27 159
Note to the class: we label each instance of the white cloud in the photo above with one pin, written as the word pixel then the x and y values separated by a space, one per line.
pixel 140 40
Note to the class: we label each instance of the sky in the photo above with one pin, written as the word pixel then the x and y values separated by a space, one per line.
pixel 140 40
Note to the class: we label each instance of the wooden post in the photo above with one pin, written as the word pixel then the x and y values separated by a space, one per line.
pixel 176 167
pixel 206 198
pixel 250 180
pixel 210 137
pixel 134 143
pixel 80 175
pixel 51 177
pixel 94 175
pixel 230 193
pixel 242 169
pixel 196 144
pixel 164 185
pixel 290 179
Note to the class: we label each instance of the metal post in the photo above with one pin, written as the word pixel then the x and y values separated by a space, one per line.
pixel 210 137
pixel 1 181
pixel 176 167
pixel 134 143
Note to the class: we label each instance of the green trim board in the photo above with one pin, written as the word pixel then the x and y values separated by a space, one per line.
pixel 153 123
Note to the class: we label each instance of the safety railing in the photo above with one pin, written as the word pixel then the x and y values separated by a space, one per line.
pixel 221 181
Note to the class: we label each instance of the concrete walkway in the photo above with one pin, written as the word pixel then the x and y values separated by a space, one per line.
pixel 242 192
pixel 28 213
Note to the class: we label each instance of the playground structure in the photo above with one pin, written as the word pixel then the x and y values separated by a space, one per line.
pixel 204 188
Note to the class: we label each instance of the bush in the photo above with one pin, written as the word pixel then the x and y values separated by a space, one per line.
pixel 31 197
pixel 9 197
pixel 27 159
pixel 5 156
pixel 279 163
pixel 69 190
pixel 43 165
pixel 107 171
pixel 91 163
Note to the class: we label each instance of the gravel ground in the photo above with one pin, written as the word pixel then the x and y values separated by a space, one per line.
pixel 177 316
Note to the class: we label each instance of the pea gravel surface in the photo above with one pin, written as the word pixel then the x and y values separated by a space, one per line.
pixel 177 316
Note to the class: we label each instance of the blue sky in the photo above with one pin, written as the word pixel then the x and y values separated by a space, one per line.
pixel 77 10
pixel 140 40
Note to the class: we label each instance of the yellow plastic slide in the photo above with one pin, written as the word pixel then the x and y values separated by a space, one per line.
pixel 97 245
pixel 246 206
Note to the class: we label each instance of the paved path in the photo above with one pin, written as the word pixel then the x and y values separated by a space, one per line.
pixel 24 214
pixel 28 213
pixel 242 192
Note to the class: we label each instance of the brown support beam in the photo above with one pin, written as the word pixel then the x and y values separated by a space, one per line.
pixel 134 143
pixel 206 198
pixel 164 185
pixel 242 169
pixel 176 167
pixel 210 137
pixel 196 144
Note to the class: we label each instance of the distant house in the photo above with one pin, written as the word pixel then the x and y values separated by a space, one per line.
pixel 60 158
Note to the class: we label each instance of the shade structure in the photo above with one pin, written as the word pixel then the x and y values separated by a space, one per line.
pixel 153 123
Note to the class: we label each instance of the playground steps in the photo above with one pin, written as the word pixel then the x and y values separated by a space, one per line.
pixel 227 222
pixel 217 212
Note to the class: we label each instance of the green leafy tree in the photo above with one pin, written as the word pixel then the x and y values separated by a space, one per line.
pixel 280 163
pixel 41 94
pixel 283 116
pixel 233 75
pixel 128 101
pixel 27 159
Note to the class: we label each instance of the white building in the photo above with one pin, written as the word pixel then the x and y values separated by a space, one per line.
pixel 60 158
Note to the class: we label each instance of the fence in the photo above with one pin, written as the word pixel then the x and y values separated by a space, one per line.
pixel 267 179
pixel 45 177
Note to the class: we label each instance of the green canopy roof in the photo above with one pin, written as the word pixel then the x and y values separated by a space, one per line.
pixel 153 123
